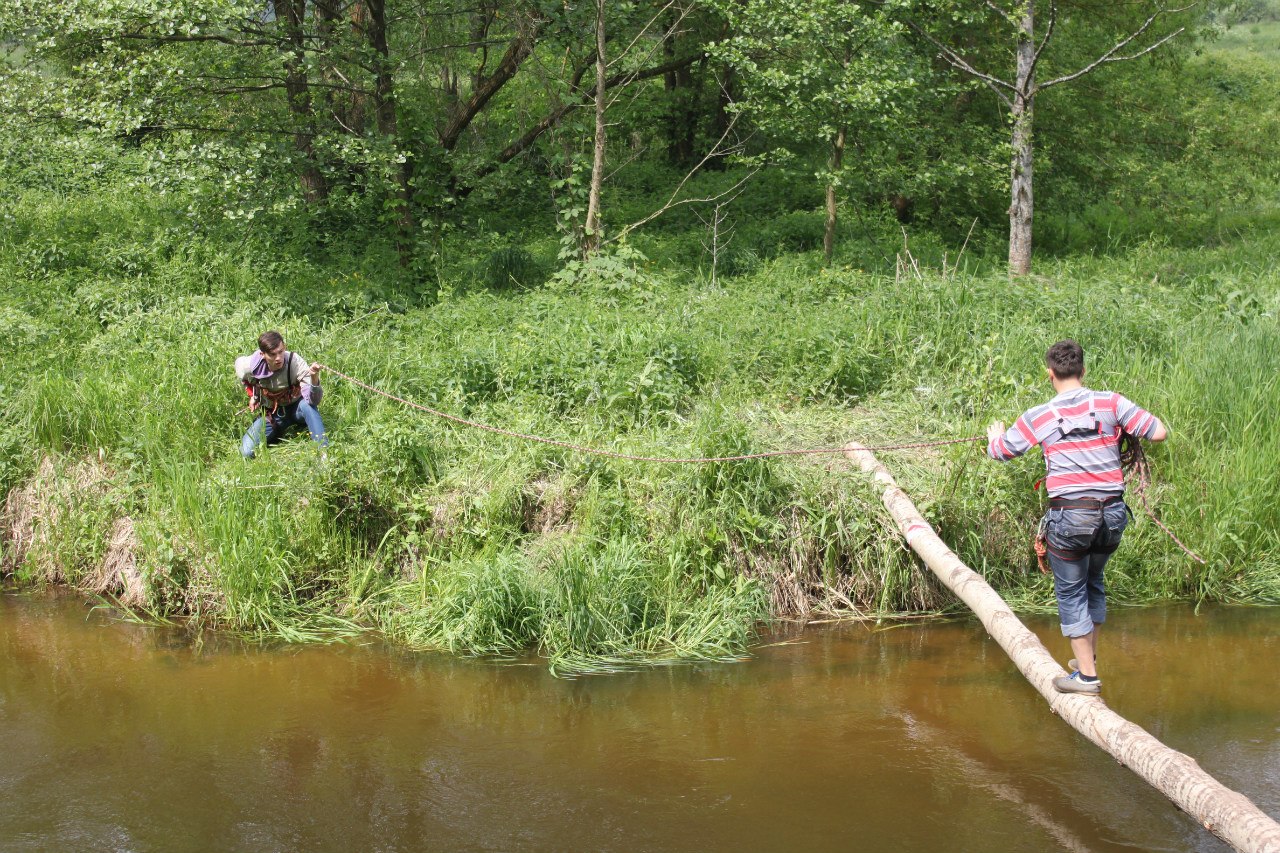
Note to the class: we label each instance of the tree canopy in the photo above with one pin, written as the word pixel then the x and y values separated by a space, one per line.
pixel 398 118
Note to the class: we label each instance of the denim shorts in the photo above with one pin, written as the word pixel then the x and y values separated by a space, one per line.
pixel 1081 540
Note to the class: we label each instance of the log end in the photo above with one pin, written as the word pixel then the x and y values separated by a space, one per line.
pixel 856 452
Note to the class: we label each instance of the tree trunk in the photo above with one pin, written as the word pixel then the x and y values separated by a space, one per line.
pixel 344 105
pixel 837 158
pixel 591 237
pixel 681 118
pixel 1226 813
pixel 1021 205
pixel 462 112
pixel 384 97
pixel 314 187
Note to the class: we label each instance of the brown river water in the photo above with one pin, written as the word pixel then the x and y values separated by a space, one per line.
pixel 923 737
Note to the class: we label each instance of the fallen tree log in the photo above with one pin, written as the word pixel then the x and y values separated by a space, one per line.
pixel 1226 813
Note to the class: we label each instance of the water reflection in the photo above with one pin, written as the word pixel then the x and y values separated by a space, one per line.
pixel 120 737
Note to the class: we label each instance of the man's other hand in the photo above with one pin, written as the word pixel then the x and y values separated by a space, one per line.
pixel 996 430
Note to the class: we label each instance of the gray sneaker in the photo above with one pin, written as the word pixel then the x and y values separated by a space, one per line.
pixel 1072 684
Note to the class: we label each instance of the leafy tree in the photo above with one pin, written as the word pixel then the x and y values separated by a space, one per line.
pixel 819 72
pixel 960 30
pixel 375 108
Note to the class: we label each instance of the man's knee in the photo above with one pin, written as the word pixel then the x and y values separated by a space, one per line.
pixel 308 412
pixel 310 415
pixel 1075 621
pixel 252 438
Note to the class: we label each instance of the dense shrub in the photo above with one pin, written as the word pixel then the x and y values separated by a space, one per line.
pixel 511 268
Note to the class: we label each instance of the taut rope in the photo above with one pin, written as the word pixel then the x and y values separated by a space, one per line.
pixel 613 454
pixel 1132 457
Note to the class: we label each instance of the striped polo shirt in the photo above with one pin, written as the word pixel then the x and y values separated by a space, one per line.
pixel 1080 433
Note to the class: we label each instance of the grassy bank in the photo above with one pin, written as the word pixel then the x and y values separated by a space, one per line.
pixel 450 538
pixel 125 305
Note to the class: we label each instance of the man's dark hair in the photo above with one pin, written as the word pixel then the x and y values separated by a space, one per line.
pixel 268 341
pixel 1066 360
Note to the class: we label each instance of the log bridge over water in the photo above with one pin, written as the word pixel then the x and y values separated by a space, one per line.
pixel 1226 813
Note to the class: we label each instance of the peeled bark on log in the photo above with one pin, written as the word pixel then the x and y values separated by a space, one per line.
pixel 1222 811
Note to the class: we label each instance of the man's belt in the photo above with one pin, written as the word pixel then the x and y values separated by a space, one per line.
pixel 1084 503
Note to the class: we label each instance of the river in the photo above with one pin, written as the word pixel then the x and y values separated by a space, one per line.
pixel 917 737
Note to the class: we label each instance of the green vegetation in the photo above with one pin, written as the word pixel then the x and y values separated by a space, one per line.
pixel 129 292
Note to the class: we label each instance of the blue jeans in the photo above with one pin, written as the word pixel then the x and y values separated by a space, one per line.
pixel 300 413
pixel 1080 541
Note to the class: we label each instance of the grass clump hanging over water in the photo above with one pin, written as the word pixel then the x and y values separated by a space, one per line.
pixel 586 605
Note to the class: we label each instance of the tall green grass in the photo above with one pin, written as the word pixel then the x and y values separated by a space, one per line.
pixel 448 538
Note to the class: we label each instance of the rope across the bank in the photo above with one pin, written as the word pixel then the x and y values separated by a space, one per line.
pixel 1135 462
pixel 613 454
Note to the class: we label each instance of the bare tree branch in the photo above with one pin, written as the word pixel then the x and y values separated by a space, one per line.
pixel 179 39
pixel 1048 34
pixel 716 151
pixel 269 131
pixel 47 118
pixel 1001 12
pixel 1110 55
pixel 636 154
pixel 669 33
pixel 480 33
pixel 342 124
pixel 276 83
pixel 718 196
pixel 237 90
pixel 957 61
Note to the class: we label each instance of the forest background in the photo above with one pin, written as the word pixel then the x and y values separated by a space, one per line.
pixel 691 228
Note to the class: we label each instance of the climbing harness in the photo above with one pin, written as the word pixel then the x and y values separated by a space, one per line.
pixel 264 396
pixel 1137 477
pixel 1073 428
pixel 1079 426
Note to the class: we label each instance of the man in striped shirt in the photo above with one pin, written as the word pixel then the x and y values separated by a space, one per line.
pixel 1079 431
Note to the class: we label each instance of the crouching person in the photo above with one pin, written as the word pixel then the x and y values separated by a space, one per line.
pixel 284 388
pixel 1079 431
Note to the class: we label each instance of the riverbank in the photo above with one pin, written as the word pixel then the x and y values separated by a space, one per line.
pixel 123 471
pixel 131 286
